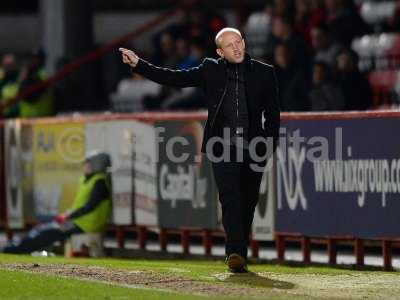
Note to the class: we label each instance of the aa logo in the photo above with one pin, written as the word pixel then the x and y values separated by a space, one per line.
pixel 71 144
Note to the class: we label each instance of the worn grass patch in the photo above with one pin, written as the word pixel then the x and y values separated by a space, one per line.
pixel 196 279
pixel 18 285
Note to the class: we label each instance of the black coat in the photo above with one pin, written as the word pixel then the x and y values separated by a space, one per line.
pixel 211 75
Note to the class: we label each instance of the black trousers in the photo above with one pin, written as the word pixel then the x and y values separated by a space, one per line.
pixel 238 188
pixel 42 236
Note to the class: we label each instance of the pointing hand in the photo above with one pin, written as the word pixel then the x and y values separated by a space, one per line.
pixel 129 57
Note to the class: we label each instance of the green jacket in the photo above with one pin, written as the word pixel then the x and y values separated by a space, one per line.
pixel 44 106
pixel 97 219
pixel 7 92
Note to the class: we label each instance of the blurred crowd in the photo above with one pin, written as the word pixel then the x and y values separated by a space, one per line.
pixel 16 77
pixel 308 42
pixel 181 45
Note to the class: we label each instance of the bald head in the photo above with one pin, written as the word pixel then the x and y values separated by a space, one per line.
pixel 220 34
pixel 230 45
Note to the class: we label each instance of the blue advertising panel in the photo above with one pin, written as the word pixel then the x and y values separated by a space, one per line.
pixel 339 178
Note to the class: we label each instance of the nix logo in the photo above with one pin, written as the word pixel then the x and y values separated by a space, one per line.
pixel 289 178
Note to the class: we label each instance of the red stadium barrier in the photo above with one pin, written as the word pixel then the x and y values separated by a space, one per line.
pixel 207 235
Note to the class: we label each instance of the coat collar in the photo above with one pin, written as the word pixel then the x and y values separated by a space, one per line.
pixel 249 64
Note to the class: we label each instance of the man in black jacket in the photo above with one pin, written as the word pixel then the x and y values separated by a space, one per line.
pixel 241 131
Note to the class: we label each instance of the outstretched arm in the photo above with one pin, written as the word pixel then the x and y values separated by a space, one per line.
pixel 177 78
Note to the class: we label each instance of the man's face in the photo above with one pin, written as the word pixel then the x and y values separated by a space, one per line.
pixel 318 39
pixel 318 74
pixel 344 62
pixel 87 168
pixel 8 62
pixel 331 5
pixel 167 43
pixel 282 56
pixel 231 46
pixel 278 28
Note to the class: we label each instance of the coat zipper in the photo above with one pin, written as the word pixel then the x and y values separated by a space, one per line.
pixel 237 99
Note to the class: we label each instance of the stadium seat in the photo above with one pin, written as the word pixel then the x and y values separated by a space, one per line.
pixel 378 12
pixel 379 51
pixel 385 85
pixel 130 93
pixel 85 244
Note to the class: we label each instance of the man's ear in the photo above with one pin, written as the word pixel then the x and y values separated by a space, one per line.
pixel 220 52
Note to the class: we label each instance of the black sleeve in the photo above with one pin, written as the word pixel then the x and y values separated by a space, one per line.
pixel 100 192
pixel 276 111
pixel 178 78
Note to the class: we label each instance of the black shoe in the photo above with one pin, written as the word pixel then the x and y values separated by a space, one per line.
pixel 236 263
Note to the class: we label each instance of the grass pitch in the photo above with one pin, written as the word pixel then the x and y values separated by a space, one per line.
pixel 26 277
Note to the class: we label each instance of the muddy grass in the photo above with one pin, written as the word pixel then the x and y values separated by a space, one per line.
pixel 252 285
pixel 161 281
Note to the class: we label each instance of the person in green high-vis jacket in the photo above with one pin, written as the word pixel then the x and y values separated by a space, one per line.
pixel 9 85
pixel 89 213
pixel 41 102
